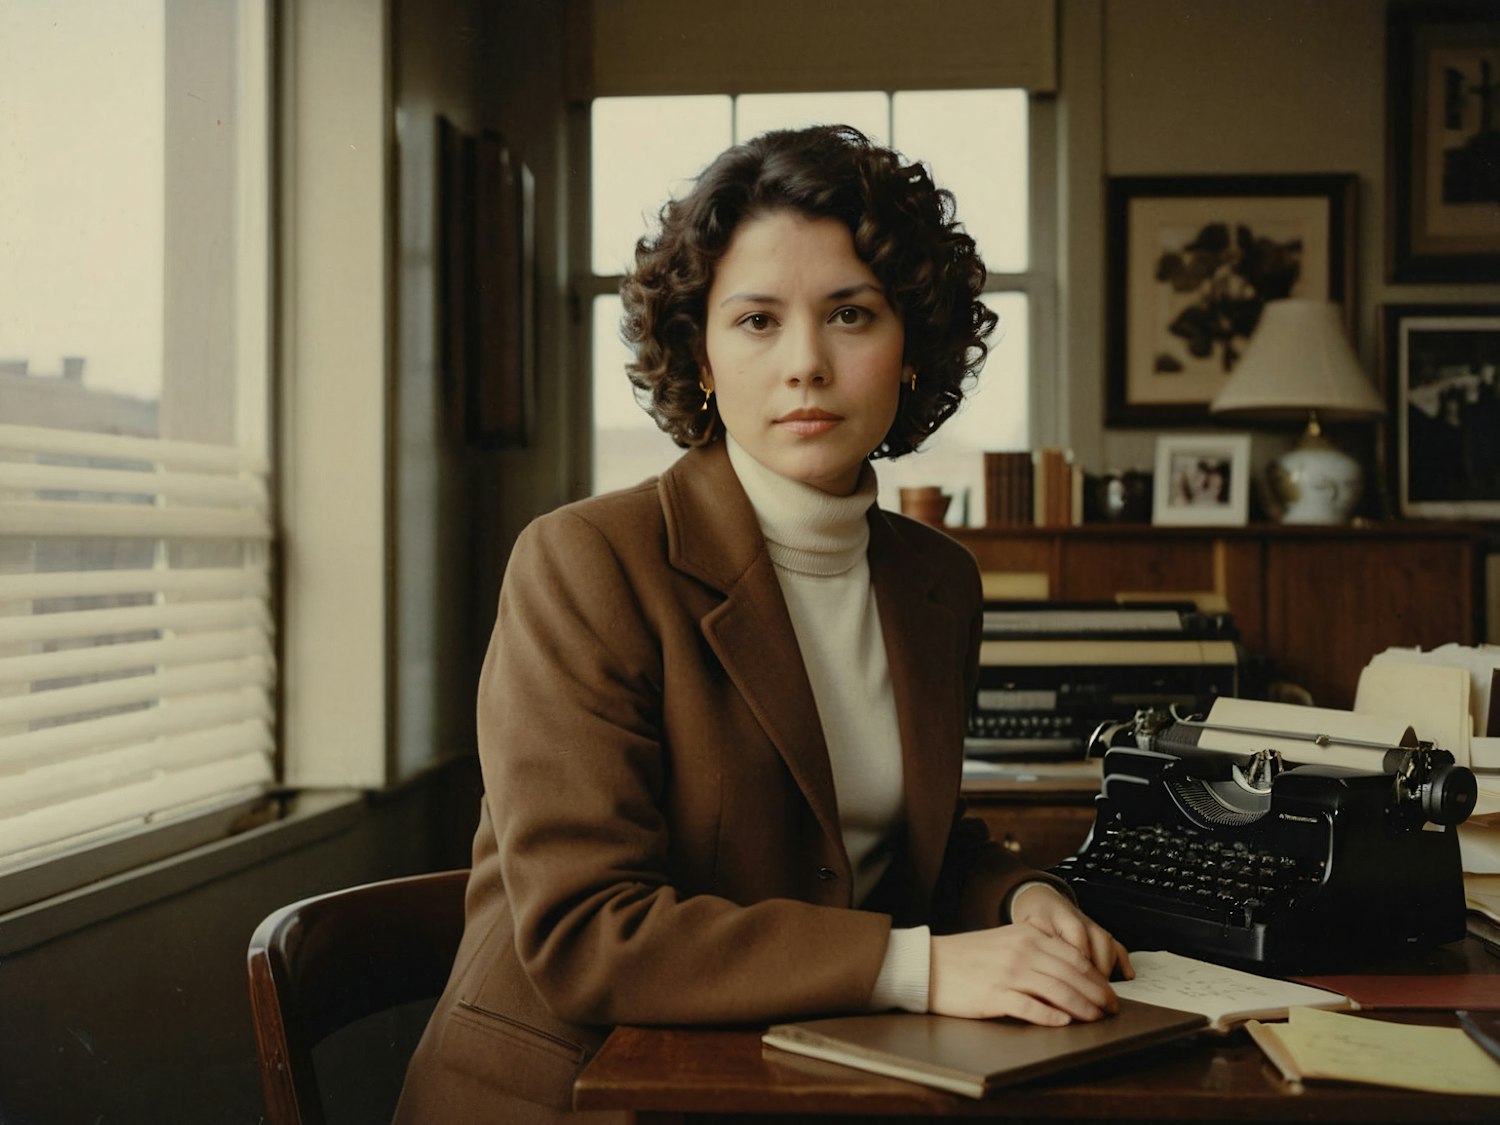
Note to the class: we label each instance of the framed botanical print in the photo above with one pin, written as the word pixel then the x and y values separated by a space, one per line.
pixel 1193 260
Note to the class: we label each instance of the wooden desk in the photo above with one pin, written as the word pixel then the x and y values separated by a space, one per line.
pixel 1042 811
pixel 679 1076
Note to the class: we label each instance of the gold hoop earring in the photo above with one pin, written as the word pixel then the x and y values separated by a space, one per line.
pixel 708 393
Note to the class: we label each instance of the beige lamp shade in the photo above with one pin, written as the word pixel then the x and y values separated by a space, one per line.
pixel 1299 362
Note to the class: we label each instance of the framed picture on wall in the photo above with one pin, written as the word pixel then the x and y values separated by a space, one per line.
pixel 1443 95
pixel 1202 480
pixel 501 395
pixel 1193 260
pixel 1442 371
pixel 457 153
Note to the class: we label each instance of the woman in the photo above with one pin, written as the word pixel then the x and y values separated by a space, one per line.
pixel 721 719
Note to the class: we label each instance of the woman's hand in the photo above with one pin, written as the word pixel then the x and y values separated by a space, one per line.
pixel 1050 966
pixel 1042 906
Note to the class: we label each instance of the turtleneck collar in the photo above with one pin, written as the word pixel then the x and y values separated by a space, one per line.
pixel 807 530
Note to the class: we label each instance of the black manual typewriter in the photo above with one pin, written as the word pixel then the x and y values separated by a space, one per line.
pixel 1286 847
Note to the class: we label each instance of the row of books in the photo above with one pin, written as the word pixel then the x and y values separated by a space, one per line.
pixel 1033 488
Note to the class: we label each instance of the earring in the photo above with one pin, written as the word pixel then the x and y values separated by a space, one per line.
pixel 913 377
pixel 708 393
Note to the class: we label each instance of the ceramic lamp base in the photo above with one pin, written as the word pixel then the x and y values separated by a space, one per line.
pixel 1316 482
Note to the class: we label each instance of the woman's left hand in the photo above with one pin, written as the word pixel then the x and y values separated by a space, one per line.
pixel 1051 912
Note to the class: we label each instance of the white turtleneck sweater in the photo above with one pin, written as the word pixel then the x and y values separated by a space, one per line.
pixel 818 543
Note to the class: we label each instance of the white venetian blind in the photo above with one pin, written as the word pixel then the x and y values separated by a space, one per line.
pixel 136 660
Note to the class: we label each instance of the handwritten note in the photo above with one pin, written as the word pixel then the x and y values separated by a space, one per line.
pixel 1353 1049
pixel 1223 995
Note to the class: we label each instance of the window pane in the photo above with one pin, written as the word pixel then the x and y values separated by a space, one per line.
pixel 976 143
pixel 994 417
pixel 135 625
pixel 644 151
pixel 867 112
pixel 81 190
pixel 628 447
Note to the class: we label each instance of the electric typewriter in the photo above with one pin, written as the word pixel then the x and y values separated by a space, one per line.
pixel 1051 672
pixel 1271 835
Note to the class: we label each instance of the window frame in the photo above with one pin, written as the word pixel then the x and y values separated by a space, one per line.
pixel 1046 404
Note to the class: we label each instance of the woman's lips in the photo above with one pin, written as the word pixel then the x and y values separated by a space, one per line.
pixel 809 422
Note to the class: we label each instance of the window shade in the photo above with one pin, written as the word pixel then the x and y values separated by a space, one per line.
pixel 136 658
pixel 626 47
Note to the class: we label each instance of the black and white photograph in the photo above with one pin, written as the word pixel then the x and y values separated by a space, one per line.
pixel 1443 365
pixel 1202 479
pixel 1444 108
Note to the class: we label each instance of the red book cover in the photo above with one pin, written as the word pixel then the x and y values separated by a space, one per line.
pixel 1440 991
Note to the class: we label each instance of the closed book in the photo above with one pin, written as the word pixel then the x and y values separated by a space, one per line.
pixel 1007 482
pixel 975 1057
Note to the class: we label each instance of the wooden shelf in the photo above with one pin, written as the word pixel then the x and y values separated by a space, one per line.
pixel 1317 602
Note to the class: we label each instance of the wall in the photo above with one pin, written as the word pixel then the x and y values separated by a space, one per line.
pixel 142 1017
pixel 438 46
pixel 1205 87
pixel 523 97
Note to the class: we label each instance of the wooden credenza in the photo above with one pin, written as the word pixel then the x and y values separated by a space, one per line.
pixel 1317 602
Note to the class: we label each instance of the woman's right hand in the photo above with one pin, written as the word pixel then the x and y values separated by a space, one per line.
pixel 1019 971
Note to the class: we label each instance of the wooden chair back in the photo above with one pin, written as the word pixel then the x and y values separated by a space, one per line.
pixel 327 962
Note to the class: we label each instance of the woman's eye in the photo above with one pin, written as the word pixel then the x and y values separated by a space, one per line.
pixel 852 316
pixel 756 322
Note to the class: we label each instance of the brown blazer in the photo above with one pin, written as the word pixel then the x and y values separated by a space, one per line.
pixel 659 840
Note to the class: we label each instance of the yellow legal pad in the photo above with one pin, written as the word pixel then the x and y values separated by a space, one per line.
pixel 1318 1044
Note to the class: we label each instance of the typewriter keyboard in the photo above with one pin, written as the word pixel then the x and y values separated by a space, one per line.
pixel 1012 733
pixel 1230 883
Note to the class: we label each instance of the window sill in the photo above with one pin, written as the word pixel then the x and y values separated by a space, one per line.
pixel 305 818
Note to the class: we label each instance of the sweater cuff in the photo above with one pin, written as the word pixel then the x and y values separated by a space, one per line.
pixel 903 978
pixel 1007 911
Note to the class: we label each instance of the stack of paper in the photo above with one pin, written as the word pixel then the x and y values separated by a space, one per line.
pixel 1451 697
pixel 1348 1048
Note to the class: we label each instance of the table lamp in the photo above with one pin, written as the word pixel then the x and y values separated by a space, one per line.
pixel 1299 364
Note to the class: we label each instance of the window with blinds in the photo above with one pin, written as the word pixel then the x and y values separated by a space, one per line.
pixel 137 656
pixel 136 659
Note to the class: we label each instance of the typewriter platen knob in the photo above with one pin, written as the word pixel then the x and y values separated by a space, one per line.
pixel 1448 796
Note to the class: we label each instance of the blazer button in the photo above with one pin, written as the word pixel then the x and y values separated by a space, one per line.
pixel 827 874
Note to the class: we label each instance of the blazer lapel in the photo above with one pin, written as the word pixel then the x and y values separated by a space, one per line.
pixel 713 535
pixel 921 636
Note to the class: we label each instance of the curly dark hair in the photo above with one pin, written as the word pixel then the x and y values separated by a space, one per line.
pixel 903 228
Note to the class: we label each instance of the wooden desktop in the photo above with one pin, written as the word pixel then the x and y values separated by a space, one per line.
pixel 680 1076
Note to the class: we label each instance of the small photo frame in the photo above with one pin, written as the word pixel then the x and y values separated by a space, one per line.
pixel 1202 480
pixel 1193 260
pixel 1442 368
pixel 1443 104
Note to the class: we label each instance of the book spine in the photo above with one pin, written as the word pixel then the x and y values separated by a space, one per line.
pixel 1008 489
pixel 1054 487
